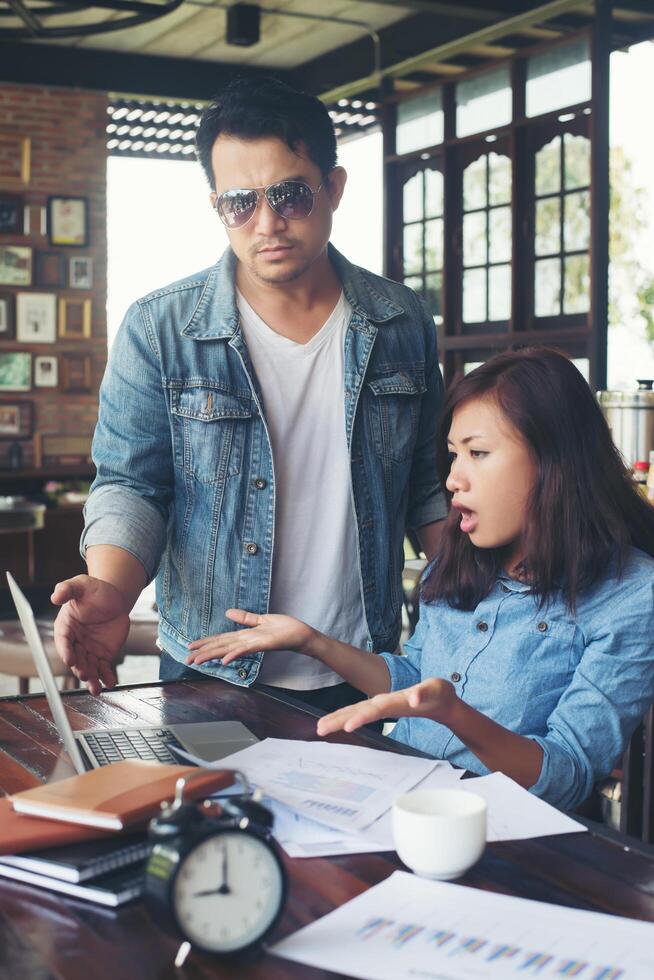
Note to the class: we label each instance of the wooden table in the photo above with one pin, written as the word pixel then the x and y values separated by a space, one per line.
pixel 44 935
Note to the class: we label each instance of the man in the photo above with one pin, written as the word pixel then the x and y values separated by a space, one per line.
pixel 266 426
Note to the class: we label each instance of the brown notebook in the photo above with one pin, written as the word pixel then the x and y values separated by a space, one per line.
pixel 115 796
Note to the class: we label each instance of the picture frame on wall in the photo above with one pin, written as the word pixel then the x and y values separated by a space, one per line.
pixel 15 163
pixel 15 371
pixel 46 371
pixel 7 324
pixel 15 265
pixel 80 272
pixel 68 221
pixel 74 318
pixel 15 420
pixel 50 270
pixel 36 318
pixel 11 214
pixel 76 373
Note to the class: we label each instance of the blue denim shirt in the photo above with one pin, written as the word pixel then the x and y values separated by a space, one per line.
pixel 185 474
pixel 576 684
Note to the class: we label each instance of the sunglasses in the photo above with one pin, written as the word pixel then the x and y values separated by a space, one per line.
pixel 290 199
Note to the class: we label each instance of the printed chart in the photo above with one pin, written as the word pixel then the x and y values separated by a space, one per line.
pixel 407 928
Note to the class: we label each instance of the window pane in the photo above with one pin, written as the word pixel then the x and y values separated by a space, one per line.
pixel 483 102
pixel 548 226
pixel 412 249
pixel 412 199
pixel 474 185
pixel 576 161
pixel 419 122
pixel 548 287
pixel 415 283
pixel 576 293
pixel 582 365
pixel 434 244
pixel 548 168
pixel 499 235
pixel 474 296
pixel 433 193
pixel 474 238
pixel 558 77
pixel 499 292
pixel 499 179
pixel 433 296
pixel 576 231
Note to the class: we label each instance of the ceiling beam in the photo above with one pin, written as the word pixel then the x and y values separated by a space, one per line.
pixel 455 46
pixel 148 76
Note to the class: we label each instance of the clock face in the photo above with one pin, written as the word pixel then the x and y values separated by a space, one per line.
pixel 227 891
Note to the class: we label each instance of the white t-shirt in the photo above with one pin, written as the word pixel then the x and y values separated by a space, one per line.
pixel 315 574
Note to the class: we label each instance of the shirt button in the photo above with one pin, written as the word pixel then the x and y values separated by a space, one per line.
pixel 242 673
pixel 251 548
pixel 542 627
pixel 482 627
pixel 455 677
pixel 260 483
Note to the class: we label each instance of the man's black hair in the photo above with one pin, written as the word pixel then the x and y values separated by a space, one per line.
pixel 254 108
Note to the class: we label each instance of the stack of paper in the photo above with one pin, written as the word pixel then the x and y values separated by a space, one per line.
pixel 336 799
pixel 407 927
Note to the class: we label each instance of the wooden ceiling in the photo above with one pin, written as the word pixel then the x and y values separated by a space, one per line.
pixel 185 55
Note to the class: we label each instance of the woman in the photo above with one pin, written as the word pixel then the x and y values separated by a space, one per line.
pixel 534 653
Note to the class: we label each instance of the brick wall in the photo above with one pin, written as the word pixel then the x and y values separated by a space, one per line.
pixel 66 129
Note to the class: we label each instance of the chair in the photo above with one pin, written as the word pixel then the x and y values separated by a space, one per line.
pixel 637 810
pixel 16 658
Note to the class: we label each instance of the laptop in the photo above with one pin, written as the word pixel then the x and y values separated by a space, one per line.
pixel 91 749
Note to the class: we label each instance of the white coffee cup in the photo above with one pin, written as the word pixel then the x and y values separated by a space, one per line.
pixel 439 833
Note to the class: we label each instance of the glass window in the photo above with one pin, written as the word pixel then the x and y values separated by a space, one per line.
pixel 487 239
pixel 559 77
pixel 422 237
pixel 562 227
pixel 419 122
pixel 483 102
pixel 548 168
pixel 548 287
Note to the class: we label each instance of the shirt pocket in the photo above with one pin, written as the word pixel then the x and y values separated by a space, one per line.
pixel 394 411
pixel 210 427
pixel 548 654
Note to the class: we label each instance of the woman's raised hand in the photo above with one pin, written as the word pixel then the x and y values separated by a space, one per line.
pixel 433 698
pixel 267 632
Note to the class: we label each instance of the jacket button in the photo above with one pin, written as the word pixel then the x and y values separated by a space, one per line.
pixel 260 483
pixel 455 677
pixel 242 673
pixel 542 627
pixel 482 627
pixel 251 548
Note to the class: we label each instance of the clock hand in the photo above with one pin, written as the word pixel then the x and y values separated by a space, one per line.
pixel 211 891
pixel 224 887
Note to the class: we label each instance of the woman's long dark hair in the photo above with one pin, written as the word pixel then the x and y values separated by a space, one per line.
pixel 584 511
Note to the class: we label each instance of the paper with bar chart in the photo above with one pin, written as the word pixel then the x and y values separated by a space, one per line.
pixel 343 786
pixel 407 928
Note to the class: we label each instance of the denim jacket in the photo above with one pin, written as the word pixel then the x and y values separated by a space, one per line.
pixel 577 684
pixel 185 476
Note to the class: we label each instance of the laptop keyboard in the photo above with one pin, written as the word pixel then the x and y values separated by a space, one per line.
pixel 150 743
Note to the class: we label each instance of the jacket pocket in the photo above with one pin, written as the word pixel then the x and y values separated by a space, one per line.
pixel 394 411
pixel 210 427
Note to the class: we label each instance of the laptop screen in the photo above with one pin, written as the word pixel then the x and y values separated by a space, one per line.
pixel 26 616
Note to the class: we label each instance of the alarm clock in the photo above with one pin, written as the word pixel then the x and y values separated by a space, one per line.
pixel 214 876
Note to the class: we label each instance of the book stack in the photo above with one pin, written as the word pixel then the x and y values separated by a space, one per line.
pixel 56 835
pixel 108 871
